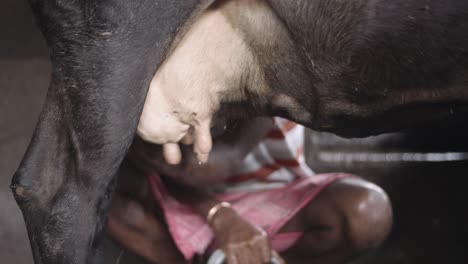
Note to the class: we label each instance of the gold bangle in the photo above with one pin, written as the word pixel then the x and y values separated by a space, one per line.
pixel 212 212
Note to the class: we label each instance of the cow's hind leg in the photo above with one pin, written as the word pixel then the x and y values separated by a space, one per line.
pixel 104 54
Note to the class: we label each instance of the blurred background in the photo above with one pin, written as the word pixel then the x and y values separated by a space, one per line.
pixel 426 183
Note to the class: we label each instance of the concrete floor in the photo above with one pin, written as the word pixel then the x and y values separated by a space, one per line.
pixel 429 199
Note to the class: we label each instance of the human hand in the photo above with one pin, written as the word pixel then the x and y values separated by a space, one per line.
pixel 241 242
pixel 132 221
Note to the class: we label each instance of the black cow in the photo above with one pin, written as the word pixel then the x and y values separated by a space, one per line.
pixel 354 68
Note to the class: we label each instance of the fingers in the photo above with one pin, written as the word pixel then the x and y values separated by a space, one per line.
pixel 131 239
pixel 132 214
pixel 257 250
pixel 202 141
pixel 265 248
pixel 278 257
pixel 231 256
pixel 172 153
pixel 139 231
pixel 133 228
pixel 265 253
pixel 246 256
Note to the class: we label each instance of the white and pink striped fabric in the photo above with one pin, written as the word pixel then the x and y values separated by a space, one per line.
pixel 276 160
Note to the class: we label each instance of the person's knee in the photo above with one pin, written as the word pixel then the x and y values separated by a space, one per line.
pixel 366 211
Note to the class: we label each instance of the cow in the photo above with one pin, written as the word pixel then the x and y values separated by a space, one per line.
pixel 354 68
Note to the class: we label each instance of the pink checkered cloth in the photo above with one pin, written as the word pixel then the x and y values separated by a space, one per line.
pixel 269 209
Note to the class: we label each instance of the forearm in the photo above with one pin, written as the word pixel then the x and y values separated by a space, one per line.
pixel 205 203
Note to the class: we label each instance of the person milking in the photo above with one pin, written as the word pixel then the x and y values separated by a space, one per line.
pixel 255 198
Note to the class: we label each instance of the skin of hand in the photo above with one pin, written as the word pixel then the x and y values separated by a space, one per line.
pixel 133 220
pixel 241 241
